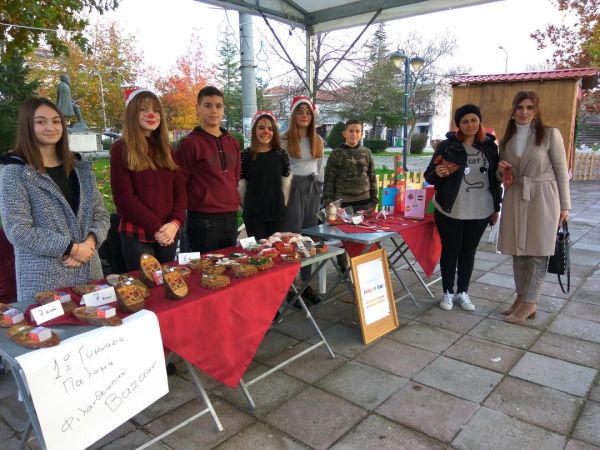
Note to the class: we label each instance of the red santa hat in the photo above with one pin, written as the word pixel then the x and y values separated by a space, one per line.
pixel 262 113
pixel 299 99
pixel 132 94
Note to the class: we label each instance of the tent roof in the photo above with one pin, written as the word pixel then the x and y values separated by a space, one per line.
pixel 328 15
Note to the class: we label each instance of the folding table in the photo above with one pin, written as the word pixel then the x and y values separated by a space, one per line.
pixel 368 239
pixel 9 351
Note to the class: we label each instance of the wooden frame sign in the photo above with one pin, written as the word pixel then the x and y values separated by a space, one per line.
pixel 374 295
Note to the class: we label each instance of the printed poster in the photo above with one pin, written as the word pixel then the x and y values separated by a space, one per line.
pixel 371 280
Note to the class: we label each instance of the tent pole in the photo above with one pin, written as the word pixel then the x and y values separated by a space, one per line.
pixel 310 64
pixel 247 71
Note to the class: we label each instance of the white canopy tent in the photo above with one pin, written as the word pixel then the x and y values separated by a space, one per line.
pixel 316 16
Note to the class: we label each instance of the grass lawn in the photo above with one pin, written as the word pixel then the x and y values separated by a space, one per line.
pixel 102 171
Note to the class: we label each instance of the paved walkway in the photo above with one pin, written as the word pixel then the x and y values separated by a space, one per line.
pixel 442 380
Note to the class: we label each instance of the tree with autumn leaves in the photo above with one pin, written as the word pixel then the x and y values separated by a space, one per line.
pixel 113 57
pixel 179 89
pixel 576 44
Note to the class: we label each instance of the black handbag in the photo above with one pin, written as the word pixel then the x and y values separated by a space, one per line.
pixel 560 262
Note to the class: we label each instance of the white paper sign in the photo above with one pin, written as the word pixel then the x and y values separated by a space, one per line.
pixel 374 295
pixel 47 312
pixel 247 242
pixel 99 298
pixel 357 219
pixel 90 384
pixel 184 258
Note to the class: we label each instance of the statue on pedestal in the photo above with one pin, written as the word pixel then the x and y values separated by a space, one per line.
pixel 80 125
pixel 63 96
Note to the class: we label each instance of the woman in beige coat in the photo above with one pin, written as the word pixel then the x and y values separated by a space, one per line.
pixel 535 203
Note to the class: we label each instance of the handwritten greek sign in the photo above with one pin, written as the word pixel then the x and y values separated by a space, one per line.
pixel 47 312
pixel 100 297
pixel 91 383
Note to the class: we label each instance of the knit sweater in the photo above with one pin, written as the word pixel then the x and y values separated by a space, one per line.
pixel 149 198
pixel 40 224
pixel 350 175
pixel 211 166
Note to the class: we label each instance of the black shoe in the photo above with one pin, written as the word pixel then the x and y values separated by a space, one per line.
pixel 309 295
pixel 277 319
pixel 342 261
pixel 171 369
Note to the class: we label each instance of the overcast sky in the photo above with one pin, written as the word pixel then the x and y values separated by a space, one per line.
pixel 163 29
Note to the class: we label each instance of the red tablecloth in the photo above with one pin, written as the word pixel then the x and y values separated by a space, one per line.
pixel 217 331
pixel 421 237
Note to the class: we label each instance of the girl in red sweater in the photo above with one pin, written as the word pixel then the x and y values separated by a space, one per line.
pixel 148 188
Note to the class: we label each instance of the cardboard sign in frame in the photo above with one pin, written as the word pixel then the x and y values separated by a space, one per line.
pixel 383 325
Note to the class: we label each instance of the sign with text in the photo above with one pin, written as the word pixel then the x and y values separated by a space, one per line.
pixel 374 294
pixel 100 297
pixel 47 312
pixel 184 258
pixel 91 383
pixel 247 242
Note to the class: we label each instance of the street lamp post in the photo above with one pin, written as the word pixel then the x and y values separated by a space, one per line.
pixel 97 72
pixel 398 58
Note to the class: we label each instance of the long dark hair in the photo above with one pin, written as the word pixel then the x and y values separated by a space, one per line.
pixel 275 141
pixel 537 124
pixel 27 146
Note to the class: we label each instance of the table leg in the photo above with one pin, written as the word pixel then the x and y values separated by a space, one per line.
pixel 343 277
pixel 208 410
pixel 33 420
pixel 26 434
pixel 403 248
pixel 245 385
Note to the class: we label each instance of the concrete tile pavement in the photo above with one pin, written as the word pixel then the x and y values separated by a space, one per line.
pixel 443 379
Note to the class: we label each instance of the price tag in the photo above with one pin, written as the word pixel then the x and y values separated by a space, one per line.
pixel 357 219
pixel 247 242
pixel 99 298
pixel 47 312
pixel 184 258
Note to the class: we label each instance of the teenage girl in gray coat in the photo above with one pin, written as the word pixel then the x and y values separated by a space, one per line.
pixel 50 205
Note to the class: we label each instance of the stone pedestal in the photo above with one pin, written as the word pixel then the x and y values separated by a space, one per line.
pixel 84 141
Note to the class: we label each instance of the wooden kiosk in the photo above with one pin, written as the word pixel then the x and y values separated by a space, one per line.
pixel 560 93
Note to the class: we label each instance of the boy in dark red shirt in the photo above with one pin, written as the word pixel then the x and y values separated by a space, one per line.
pixel 210 159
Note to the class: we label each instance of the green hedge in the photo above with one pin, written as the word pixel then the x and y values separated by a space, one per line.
pixel 239 136
pixel 335 138
pixel 375 145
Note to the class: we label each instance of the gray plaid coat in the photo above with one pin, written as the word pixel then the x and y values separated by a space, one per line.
pixel 40 224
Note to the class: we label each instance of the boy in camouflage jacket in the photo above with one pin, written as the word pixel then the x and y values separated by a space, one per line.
pixel 350 172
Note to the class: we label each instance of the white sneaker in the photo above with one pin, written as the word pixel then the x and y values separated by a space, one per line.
pixel 464 301
pixel 447 301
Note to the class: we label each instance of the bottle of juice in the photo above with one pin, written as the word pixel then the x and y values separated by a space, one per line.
pixel 401 185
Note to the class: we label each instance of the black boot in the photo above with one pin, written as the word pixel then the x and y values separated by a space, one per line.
pixel 277 319
pixel 342 261
pixel 310 296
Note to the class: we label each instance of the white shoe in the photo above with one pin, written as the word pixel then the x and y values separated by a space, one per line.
pixel 447 301
pixel 464 301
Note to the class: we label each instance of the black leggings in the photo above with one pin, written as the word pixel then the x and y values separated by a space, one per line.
pixel 132 249
pixel 459 244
